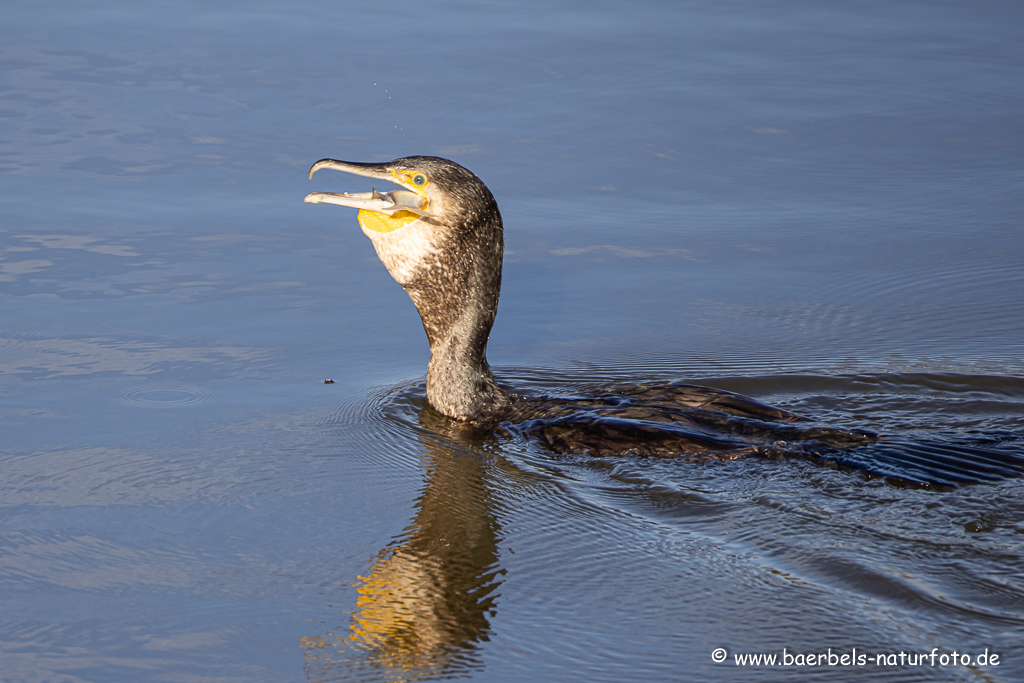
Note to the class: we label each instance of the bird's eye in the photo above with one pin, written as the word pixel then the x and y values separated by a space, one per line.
pixel 419 180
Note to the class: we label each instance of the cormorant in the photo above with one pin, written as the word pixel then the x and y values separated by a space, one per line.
pixel 441 238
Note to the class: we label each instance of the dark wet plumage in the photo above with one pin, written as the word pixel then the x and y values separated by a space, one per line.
pixel 674 420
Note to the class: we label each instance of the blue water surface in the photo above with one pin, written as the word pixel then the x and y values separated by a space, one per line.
pixel 818 205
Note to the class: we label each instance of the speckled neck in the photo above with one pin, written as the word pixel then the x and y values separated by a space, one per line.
pixel 457 303
pixel 455 282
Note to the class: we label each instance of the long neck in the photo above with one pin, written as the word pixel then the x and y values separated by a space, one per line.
pixel 457 300
pixel 459 381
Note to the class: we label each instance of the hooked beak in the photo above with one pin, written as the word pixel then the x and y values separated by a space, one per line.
pixel 387 203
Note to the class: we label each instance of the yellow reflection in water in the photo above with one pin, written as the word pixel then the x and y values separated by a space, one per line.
pixel 424 606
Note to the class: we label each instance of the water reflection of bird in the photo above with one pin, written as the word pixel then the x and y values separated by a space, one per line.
pixel 441 238
pixel 424 607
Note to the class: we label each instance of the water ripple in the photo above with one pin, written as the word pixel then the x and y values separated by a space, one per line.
pixel 164 397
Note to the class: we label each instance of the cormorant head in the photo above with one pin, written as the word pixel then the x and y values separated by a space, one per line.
pixel 442 212
pixel 441 238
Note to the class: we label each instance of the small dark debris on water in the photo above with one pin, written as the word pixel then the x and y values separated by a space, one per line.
pixel 981 525
pixel 328 381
